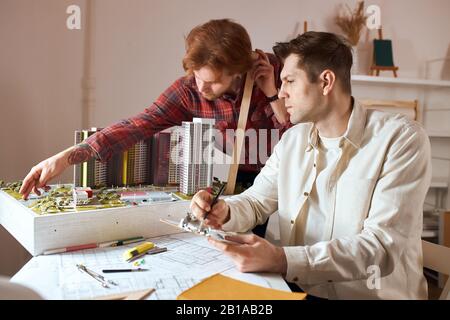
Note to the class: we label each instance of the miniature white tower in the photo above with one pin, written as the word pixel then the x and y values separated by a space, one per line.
pixel 198 152
pixel 175 156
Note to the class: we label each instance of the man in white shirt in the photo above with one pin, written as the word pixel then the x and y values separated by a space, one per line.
pixel 348 183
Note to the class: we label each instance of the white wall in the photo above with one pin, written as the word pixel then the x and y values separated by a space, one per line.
pixel 40 94
pixel 140 42
pixel 137 53
pixel 40 83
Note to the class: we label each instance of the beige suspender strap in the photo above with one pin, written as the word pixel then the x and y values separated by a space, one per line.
pixel 240 134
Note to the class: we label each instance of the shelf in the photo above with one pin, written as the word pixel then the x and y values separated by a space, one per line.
pixel 439 183
pixel 438 134
pixel 401 81
pixel 430 233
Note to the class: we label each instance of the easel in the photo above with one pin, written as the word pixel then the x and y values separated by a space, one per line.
pixel 240 134
pixel 376 68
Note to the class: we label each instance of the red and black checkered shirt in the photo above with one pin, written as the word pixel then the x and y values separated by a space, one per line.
pixel 182 102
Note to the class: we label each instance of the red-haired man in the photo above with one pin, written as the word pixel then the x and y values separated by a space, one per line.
pixel 218 55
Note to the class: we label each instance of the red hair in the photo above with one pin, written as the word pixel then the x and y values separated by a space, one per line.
pixel 220 45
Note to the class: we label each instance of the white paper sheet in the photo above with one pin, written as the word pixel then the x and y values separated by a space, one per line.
pixel 188 260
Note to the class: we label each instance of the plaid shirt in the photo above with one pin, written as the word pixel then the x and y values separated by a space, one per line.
pixel 182 102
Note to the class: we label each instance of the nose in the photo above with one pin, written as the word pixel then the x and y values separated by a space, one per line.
pixel 282 92
pixel 202 87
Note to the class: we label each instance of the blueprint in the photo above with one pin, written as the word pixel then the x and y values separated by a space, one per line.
pixel 188 260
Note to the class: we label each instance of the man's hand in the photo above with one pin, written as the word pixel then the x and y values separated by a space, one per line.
pixel 251 253
pixel 263 73
pixel 42 173
pixel 217 215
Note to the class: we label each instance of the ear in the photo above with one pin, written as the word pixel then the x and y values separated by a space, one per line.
pixel 236 76
pixel 328 81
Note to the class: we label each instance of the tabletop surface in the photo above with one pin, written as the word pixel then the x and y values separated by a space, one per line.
pixel 189 259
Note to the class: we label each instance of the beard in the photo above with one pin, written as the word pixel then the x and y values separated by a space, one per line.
pixel 210 96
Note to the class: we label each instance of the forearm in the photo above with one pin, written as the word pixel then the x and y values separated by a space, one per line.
pixel 242 216
pixel 114 139
pixel 256 204
pixel 344 259
pixel 126 133
pixel 76 154
pixel 79 153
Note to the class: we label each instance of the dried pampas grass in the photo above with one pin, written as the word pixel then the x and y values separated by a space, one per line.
pixel 352 23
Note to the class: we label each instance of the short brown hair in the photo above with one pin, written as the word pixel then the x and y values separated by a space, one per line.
pixel 220 45
pixel 318 51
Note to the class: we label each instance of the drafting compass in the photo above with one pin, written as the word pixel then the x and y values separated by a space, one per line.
pixel 104 282
pixel 191 224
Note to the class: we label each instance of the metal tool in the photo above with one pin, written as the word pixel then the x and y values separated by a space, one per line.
pixel 156 250
pixel 193 225
pixel 104 282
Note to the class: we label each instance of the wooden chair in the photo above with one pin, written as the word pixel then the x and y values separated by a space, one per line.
pixel 406 107
pixel 437 258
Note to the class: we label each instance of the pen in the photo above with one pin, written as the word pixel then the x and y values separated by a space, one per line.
pixel 122 242
pixel 123 270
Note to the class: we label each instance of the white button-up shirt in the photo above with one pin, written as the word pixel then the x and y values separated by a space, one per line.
pixel 371 237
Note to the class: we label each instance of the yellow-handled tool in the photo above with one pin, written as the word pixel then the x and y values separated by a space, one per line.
pixel 138 251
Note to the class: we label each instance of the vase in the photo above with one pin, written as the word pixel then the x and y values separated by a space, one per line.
pixel 356 62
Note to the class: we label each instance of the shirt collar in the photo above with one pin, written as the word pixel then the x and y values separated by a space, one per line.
pixel 355 128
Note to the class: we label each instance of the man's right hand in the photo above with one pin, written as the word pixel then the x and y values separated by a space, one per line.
pixel 218 215
pixel 42 173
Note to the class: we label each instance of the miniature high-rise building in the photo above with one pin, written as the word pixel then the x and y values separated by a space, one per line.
pixel 128 168
pixel 198 152
pixel 136 164
pixel 91 173
pixel 160 158
pixel 175 156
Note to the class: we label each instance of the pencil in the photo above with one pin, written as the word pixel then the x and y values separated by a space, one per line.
pixel 71 248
